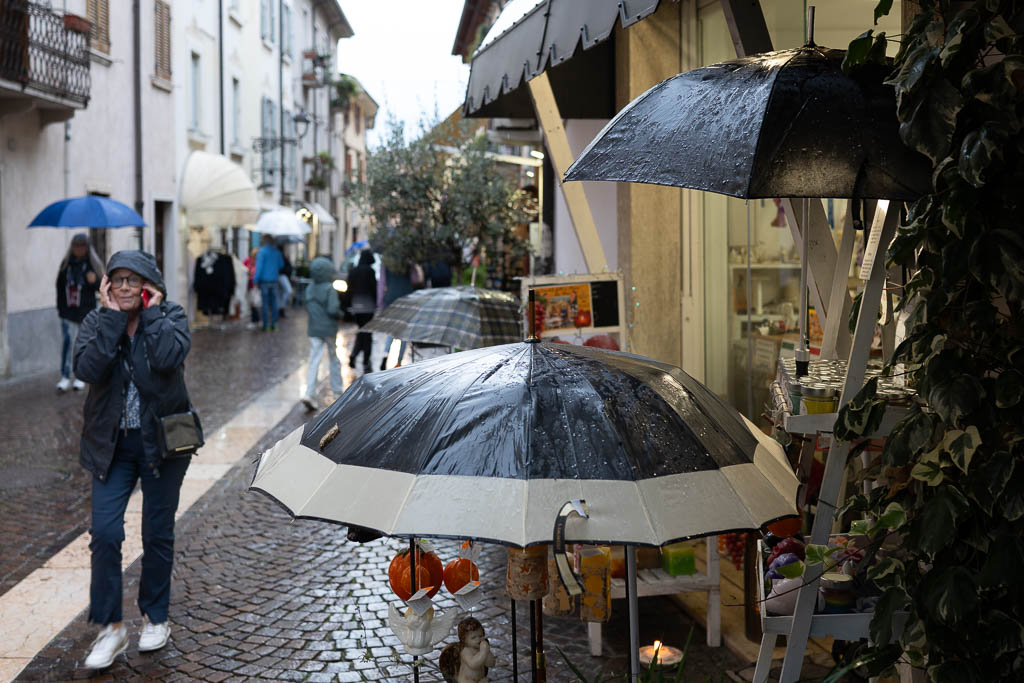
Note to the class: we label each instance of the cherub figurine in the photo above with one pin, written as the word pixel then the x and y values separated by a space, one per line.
pixel 419 633
pixel 467 660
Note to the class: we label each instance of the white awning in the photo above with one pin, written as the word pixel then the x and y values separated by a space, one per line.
pixel 322 215
pixel 217 191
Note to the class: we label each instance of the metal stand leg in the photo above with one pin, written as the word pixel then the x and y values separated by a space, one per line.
pixel 515 648
pixel 634 614
pixel 714 611
pixel 764 658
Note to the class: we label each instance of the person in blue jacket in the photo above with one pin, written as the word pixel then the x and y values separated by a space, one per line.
pixel 269 264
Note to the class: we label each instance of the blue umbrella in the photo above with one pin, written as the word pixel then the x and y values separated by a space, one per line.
pixel 358 246
pixel 90 211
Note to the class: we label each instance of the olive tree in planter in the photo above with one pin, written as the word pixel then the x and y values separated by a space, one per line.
pixel 954 467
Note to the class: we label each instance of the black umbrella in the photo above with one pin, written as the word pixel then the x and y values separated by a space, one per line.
pixel 779 124
pixel 489 444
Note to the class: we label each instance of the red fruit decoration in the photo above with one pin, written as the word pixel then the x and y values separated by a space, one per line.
pixel 539 316
pixel 583 319
pixel 787 545
pixel 429 573
pixel 733 545
pixel 458 573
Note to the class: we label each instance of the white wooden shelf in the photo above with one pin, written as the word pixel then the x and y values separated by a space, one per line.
pixel 825 422
pixel 659 582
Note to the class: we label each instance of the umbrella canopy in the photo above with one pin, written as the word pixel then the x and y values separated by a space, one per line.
pixel 489 444
pixel 217 191
pixel 90 211
pixel 358 246
pixel 462 317
pixel 780 124
pixel 282 222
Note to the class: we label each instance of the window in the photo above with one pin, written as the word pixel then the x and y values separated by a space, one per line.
pixel 236 112
pixel 98 12
pixel 268 125
pixel 289 152
pixel 286 27
pixel 194 94
pixel 162 39
pixel 267 20
pixel 357 114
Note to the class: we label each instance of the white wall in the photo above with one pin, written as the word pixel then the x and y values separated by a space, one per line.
pixel 602 198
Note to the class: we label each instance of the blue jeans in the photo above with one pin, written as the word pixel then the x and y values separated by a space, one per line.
pixel 69 331
pixel 268 293
pixel 159 503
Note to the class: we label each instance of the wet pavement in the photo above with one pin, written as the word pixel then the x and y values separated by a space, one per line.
pixel 255 594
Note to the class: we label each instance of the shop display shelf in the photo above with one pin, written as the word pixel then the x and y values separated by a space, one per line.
pixel 853 626
pixel 824 422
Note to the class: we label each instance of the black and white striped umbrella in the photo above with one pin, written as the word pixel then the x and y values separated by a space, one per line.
pixel 461 317
pixel 489 444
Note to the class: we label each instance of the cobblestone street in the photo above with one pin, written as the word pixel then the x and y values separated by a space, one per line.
pixel 256 595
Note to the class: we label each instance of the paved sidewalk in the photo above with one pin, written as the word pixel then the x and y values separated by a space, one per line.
pixel 44 492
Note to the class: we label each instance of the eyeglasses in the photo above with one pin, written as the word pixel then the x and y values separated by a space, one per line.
pixel 134 281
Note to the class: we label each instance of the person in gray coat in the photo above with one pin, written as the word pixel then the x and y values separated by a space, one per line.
pixel 131 352
pixel 322 327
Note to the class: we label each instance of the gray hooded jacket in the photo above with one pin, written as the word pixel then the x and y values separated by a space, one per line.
pixel 321 300
pixel 105 358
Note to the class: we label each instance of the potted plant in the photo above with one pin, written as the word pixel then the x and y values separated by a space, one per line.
pixel 77 24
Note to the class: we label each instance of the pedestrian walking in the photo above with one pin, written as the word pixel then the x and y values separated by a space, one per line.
pixel 78 278
pixel 269 263
pixel 322 327
pixel 132 353
pixel 252 293
pixel 362 284
pixel 284 279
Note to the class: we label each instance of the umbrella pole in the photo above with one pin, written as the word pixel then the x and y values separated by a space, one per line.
pixel 542 670
pixel 413 587
pixel 634 614
pixel 515 648
pixel 533 641
pixel 803 354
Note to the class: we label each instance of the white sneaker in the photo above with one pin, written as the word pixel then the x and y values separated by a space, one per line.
pixel 154 636
pixel 309 402
pixel 78 385
pixel 108 645
pixel 64 384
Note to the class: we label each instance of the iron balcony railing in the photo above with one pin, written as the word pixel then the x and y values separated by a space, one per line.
pixel 38 51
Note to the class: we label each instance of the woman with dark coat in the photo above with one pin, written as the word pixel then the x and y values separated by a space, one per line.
pixel 78 278
pixel 132 353
pixel 362 283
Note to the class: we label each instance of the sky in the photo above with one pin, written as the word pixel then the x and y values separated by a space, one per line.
pixel 401 53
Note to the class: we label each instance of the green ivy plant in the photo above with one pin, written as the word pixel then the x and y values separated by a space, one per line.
pixel 955 464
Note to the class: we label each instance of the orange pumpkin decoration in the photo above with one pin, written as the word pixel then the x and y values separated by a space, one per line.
pixel 429 572
pixel 784 528
pixel 458 573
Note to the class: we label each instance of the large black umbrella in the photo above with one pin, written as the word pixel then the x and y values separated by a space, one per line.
pixel 489 444
pixel 779 124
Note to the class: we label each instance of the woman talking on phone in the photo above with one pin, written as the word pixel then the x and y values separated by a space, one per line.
pixel 131 351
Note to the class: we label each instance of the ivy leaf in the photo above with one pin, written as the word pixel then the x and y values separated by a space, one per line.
pixel 857 51
pixel 930 124
pixel 995 29
pixel 893 518
pixel 882 9
pixel 961 447
pixel 928 472
pixel 1009 388
pixel 892 601
pixel 861 415
pixel 950 594
pixel 814 553
pixel 885 567
pixel 988 480
pixel 1012 501
pixel 1002 566
pixel 980 149
pixel 955 398
pixel 954 671
pixel 860 526
pixel 908 438
pixel 939 519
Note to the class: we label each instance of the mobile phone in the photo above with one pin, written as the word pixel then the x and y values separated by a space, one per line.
pixel 145 298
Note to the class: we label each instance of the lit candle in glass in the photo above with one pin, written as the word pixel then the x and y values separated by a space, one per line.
pixel 666 656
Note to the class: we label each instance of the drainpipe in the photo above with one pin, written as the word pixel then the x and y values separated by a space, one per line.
pixel 137 73
pixel 280 86
pixel 220 67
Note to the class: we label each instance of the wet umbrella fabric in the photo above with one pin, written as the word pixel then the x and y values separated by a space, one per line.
pixel 489 444
pixel 780 124
pixel 461 317
pixel 281 223
pixel 90 211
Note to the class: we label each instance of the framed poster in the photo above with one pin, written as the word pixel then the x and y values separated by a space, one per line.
pixel 577 305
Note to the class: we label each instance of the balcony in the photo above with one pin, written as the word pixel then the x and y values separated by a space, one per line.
pixel 44 61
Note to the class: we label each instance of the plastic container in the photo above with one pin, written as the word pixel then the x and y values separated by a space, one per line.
pixel 836 591
pixel 795 395
pixel 818 398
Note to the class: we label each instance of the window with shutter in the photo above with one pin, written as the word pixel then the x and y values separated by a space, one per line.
pixel 98 12
pixel 162 39
pixel 266 117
